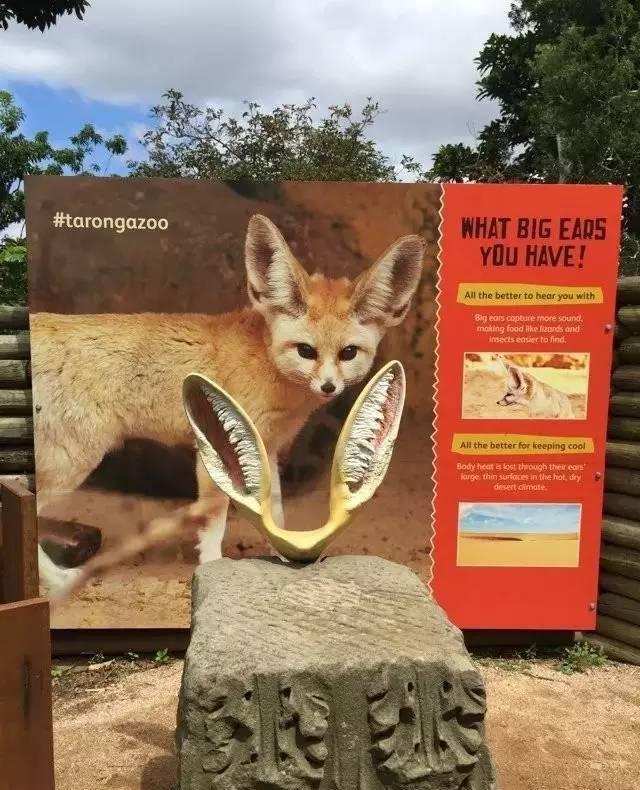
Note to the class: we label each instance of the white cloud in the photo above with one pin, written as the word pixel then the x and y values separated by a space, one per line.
pixel 14 231
pixel 415 56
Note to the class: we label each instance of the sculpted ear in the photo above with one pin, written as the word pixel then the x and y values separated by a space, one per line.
pixel 275 280
pixel 384 292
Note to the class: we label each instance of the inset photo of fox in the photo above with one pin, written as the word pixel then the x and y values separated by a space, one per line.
pixel 289 297
pixel 525 386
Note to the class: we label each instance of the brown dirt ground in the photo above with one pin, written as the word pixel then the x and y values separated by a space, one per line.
pixel 482 390
pixel 155 593
pixel 547 731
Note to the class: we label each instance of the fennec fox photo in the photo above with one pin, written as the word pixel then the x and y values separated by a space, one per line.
pixel 525 386
pixel 313 284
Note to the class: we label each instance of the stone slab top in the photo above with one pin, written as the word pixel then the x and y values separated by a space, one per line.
pixel 262 616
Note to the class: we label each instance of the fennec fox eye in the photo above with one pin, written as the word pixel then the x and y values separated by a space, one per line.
pixel 306 351
pixel 347 353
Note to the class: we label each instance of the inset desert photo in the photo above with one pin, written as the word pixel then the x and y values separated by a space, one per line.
pixel 518 535
pixel 525 386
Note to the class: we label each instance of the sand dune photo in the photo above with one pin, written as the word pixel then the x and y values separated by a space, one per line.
pixel 518 535
pixel 525 386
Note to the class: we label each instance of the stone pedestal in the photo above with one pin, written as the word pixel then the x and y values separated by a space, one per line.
pixel 342 675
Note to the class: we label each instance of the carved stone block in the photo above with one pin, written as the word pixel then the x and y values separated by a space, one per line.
pixel 341 675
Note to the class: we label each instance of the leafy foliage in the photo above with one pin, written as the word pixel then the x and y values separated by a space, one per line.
pixel 286 144
pixel 581 657
pixel 21 156
pixel 13 271
pixel 39 14
pixel 566 82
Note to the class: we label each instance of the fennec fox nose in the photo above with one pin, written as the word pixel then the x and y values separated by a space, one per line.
pixel 328 387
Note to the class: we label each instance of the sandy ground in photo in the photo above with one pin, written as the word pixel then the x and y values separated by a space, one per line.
pixel 547 731
pixel 524 551
pixel 483 388
pixel 155 591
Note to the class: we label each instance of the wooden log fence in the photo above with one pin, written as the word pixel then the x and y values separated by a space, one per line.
pixel 618 623
pixel 16 423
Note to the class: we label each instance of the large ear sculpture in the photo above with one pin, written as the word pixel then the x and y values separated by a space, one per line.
pixel 365 444
pixel 229 445
pixel 235 457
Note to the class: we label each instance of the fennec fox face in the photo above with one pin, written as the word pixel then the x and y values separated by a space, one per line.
pixel 541 400
pixel 324 333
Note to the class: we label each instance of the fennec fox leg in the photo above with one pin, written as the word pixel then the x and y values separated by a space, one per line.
pixel 214 506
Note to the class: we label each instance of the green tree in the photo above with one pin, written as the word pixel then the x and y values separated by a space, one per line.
pixel 566 83
pixel 39 14
pixel 21 156
pixel 286 144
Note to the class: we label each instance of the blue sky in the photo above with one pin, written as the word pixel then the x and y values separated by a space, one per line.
pixel 62 112
pixel 508 518
pixel 415 56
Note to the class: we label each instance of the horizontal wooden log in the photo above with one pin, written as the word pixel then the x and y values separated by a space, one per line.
pixel 622 481
pixel 626 378
pixel 16 430
pixel 623 561
pixel 630 588
pixel 26 481
pixel 621 532
pixel 616 651
pixel 613 605
pixel 628 291
pixel 629 317
pixel 622 505
pixel 627 633
pixel 14 317
pixel 15 347
pixel 625 404
pixel 16 459
pixel 629 350
pixel 15 373
pixel 623 454
pixel 621 332
pixel 624 428
pixel 16 402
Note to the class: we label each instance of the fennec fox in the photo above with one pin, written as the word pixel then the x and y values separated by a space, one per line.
pixel 543 402
pixel 101 379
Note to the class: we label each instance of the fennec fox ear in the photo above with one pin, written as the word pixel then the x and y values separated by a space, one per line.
pixel 502 364
pixel 383 293
pixel 230 447
pixel 516 377
pixel 275 279
pixel 365 444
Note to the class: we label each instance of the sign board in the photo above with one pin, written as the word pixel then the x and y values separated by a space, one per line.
pixel 134 283
pixel 526 312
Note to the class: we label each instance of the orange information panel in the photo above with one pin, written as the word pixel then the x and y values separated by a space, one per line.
pixel 526 311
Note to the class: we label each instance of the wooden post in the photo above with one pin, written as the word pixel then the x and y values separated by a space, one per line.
pixel 19 543
pixel 26 727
